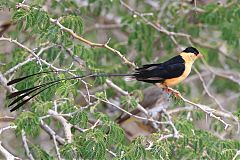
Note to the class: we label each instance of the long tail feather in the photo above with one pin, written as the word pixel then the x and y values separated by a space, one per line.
pixel 25 77
pixel 42 87
pixel 28 92
pixel 25 101
pixel 21 97
pixel 17 93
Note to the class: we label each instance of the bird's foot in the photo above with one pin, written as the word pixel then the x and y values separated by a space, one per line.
pixel 176 93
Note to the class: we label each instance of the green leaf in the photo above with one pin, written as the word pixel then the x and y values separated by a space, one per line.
pixel 129 101
pixel 80 118
pixel 19 15
pixel 68 151
pixel 93 146
pixel 101 95
pixel 114 133
pixel 73 22
pixel 29 122
pixel 160 151
pixel 39 153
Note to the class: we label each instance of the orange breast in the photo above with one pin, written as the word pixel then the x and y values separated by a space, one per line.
pixel 175 81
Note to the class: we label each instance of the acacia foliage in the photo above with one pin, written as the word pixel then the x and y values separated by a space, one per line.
pixel 33 27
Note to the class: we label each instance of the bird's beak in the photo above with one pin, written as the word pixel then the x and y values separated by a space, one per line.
pixel 199 55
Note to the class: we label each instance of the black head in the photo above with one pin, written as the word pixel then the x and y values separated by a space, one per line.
pixel 191 50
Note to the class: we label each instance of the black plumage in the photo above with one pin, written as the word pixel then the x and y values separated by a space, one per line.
pixel 191 50
pixel 157 73
pixel 167 73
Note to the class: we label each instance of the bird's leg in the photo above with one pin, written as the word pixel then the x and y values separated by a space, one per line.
pixel 171 90
pixel 175 92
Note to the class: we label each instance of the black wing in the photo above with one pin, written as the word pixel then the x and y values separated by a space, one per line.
pixel 155 73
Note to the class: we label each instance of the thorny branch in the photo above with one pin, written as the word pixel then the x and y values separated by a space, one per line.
pixel 29 59
pixel 125 93
pixel 91 44
pixel 206 109
pixel 155 26
pixel 207 91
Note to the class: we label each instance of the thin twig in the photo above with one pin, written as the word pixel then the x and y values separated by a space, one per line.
pixel 236 155
pixel 24 140
pixel 7 154
pixel 130 114
pixel 56 147
pixel 207 91
pixel 6 128
pixel 6 119
pixel 66 126
pixel 125 93
pixel 92 44
pixel 175 131
pixel 204 108
pixel 30 51
pixel 155 26
pixel 51 132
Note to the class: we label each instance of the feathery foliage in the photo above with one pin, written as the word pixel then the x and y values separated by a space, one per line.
pixel 147 34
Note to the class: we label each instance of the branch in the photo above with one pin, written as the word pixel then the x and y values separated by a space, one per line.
pixel 130 114
pixel 207 91
pixel 24 140
pixel 125 93
pixel 6 128
pixel 32 52
pixel 155 26
pixel 204 108
pixel 228 74
pixel 175 131
pixel 3 82
pixel 236 155
pixel 29 59
pixel 6 153
pixel 6 119
pixel 56 147
pixel 111 152
pixel 91 44
pixel 66 126
pixel 218 48
pixel 13 69
pixel 51 132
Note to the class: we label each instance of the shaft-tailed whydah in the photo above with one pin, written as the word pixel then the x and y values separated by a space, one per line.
pixel 164 75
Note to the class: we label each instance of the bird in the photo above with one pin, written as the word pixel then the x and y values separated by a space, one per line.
pixel 165 75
